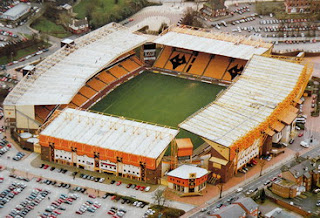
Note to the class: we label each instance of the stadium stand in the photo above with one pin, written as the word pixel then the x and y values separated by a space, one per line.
pixel 79 99
pixel 163 57
pixel 217 67
pixel 198 64
pixel 118 72
pixel 234 69
pixel 96 84
pixel 42 112
pixel 130 65
pixel 178 61
pixel 106 77
pixel 87 91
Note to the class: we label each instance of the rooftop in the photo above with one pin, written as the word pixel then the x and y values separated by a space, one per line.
pixel 248 203
pixel 184 143
pixel 248 102
pixel 114 133
pixel 213 42
pixel 231 211
pixel 60 76
pixel 185 171
pixel 16 10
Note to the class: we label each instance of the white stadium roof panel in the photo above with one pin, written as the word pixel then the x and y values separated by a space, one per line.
pixel 212 43
pixel 264 84
pixel 110 132
pixel 59 77
pixel 184 172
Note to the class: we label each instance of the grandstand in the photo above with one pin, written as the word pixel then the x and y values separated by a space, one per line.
pixel 58 79
pixel 106 144
pixel 259 105
pixel 208 56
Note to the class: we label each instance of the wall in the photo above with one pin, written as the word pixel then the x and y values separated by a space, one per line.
pixel 25 117
pixel 63 155
pixel 248 154
pixel 86 162
pixel 286 134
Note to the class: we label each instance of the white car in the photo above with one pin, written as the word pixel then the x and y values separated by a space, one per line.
pixel 239 190
pixel 304 144
pixel 147 189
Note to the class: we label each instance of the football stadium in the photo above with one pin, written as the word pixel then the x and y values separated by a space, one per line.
pixel 114 101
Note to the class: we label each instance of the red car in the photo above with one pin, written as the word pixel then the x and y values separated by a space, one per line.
pixel 142 188
pixel 129 185
pixel 118 183
pixel 274 179
pixel 300 134
pixel 79 212
pixel 9 145
pixel 57 212
pixel 254 162
pixel 46 166
pixel 110 212
pixel 92 196
pixel 137 187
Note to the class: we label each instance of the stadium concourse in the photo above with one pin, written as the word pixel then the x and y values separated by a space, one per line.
pixel 258 107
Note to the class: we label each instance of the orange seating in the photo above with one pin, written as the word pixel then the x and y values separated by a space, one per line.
pixel 234 69
pixel 129 65
pixel 118 71
pixel 79 99
pixel 136 59
pixel 72 105
pixel 217 67
pixel 41 113
pixel 87 91
pixel 106 77
pixel 96 84
pixel 182 61
pixel 200 64
pixel 164 57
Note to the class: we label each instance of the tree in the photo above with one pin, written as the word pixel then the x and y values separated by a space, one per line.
pixel 261 163
pixel 263 196
pixel 159 197
pixel 190 18
pixel 220 187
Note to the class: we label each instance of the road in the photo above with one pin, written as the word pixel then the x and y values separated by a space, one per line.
pixel 257 183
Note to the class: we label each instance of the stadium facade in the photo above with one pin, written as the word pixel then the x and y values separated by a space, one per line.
pixel 257 108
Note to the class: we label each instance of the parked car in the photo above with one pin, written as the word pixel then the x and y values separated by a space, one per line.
pixel 304 144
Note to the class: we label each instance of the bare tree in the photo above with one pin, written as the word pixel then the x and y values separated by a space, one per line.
pixel 296 156
pixel 220 187
pixel 261 163
pixel 159 197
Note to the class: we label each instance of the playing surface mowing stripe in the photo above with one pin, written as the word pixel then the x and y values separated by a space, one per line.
pixel 160 99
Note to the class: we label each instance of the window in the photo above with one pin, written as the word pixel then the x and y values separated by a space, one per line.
pixel 124 170
pixel 60 156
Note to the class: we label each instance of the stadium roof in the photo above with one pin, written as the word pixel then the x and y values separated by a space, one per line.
pixel 185 171
pixel 264 84
pixel 109 132
pixel 213 43
pixel 59 77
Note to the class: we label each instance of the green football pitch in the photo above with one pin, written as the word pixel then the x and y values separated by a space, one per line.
pixel 159 99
